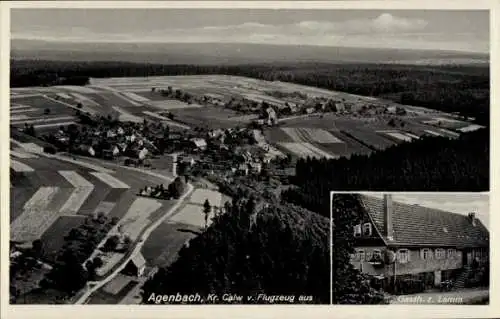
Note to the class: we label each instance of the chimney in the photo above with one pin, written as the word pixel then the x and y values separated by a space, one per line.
pixel 472 218
pixel 388 215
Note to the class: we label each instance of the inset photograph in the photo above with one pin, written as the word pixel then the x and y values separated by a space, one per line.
pixel 410 248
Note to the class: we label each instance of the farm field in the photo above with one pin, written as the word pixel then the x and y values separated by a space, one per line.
pixel 166 241
pixel 200 195
pixel 109 99
pixel 56 196
pixel 303 142
pixel 150 96
pixel 369 138
pixel 168 105
pixel 113 292
pixel 213 117
pixel 134 95
pixel 359 135
pixel 447 123
pixel 304 150
pixel 138 216
pixel 131 99
pixel 31 111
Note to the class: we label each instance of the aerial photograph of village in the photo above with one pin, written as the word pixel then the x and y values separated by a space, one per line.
pixel 188 158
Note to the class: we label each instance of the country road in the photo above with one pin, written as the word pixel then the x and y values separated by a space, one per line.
pixel 96 285
pixel 106 167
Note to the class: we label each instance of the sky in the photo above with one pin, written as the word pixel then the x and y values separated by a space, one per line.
pixel 455 203
pixel 466 31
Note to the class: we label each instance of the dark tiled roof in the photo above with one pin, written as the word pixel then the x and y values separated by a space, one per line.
pixel 417 225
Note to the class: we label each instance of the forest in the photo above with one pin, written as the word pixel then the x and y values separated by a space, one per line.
pixel 274 251
pixel 450 88
pixel 431 164
pixel 278 250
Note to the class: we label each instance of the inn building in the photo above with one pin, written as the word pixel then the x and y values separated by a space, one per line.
pixel 397 240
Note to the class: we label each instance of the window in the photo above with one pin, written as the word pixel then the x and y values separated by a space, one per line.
pixel 367 229
pixel 440 253
pixel 368 255
pixel 426 253
pixel 357 231
pixel 377 255
pixel 361 255
pixel 403 256
pixel 451 253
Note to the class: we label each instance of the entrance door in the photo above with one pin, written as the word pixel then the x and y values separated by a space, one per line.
pixel 469 258
pixel 466 257
pixel 437 278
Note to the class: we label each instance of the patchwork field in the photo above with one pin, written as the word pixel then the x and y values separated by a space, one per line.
pixel 399 136
pixel 32 111
pixel 213 117
pixel 304 142
pixel 446 123
pixel 311 135
pixel 132 99
pixel 306 150
pixel 342 136
pixel 168 105
pixel 55 196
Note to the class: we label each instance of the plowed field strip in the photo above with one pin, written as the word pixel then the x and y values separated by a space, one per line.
pixel 35 219
pixel 18 197
pixel 319 136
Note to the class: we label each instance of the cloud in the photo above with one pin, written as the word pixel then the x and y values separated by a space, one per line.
pixel 388 23
pixel 384 23
pixel 383 31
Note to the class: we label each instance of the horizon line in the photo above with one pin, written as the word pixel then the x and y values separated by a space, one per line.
pixel 248 43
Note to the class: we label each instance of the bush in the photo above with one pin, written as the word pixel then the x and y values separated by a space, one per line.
pixel 49 150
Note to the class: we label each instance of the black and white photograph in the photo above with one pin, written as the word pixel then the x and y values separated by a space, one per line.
pixel 163 156
pixel 410 248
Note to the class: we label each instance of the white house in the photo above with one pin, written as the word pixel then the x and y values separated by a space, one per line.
pixel 200 143
pixel 143 153
pixel 271 116
pixel 115 150
pixel 136 266
pixel 110 134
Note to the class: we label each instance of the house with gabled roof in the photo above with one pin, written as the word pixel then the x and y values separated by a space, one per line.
pixel 394 239
pixel 136 266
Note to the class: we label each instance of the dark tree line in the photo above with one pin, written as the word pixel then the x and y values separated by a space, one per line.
pixel 429 164
pixel 68 274
pixel 349 285
pixel 284 251
pixel 463 89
